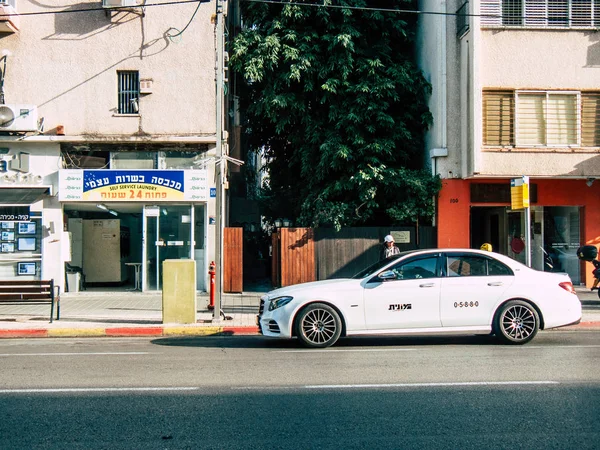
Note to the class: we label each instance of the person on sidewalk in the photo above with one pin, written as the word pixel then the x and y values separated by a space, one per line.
pixel 389 247
pixel 596 273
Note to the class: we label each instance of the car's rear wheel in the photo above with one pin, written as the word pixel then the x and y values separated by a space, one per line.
pixel 318 325
pixel 517 322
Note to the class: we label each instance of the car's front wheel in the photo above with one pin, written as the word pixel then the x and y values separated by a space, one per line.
pixel 318 325
pixel 517 322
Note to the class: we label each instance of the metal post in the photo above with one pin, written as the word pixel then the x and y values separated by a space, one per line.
pixel 528 236
pixel 2 75
pixel 219 166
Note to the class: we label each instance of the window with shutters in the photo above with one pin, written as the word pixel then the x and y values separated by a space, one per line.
pixel 590 119
pixel 498 114
pixel 128 91
pixel 540 13
pixel 541 118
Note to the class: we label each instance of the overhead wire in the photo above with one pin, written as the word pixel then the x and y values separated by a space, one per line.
pixel 274 2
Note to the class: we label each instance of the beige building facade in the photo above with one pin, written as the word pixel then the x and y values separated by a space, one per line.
pixel 515 94
pixel 107 140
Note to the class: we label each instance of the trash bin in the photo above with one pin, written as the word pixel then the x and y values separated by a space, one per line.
pixel 73 280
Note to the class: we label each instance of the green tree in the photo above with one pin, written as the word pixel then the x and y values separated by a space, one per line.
pixel 335 101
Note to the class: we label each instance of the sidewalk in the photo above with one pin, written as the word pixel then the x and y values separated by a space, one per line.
pixel 95 313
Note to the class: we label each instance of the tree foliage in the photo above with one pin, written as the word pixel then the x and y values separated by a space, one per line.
pixel 335 101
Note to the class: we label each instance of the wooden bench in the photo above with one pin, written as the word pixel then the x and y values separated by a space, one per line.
pixel 31 292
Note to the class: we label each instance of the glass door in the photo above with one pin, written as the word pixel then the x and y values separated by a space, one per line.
pixel 168 234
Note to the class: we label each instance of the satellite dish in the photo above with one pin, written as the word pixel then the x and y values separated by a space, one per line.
pixel 7 116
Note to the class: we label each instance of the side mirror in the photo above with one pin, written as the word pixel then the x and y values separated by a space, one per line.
pixel 387 275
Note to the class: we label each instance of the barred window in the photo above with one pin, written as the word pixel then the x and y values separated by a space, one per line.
pixel 541 13
pixel 128 91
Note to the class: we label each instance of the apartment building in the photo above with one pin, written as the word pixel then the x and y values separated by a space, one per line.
pixel 107 139
pixel 516 93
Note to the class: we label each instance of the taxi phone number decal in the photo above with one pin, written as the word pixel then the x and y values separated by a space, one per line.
pixel 466 304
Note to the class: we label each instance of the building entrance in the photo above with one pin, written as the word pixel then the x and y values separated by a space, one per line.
pixel 555 235
pixel 168 234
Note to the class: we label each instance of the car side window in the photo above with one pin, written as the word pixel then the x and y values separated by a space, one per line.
pixel 466 266
pixel 416 269
pixel 497 268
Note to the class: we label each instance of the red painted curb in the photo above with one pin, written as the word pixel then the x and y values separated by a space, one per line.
pixel 240 331
pixel 23 333
pixel 134 331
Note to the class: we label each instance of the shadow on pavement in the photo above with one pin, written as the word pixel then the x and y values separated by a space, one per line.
pixel 224 341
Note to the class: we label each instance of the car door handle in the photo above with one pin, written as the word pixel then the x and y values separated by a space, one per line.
pixel 495 283
pixel 427 285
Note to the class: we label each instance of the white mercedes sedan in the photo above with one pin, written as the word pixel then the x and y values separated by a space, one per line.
pixel 436 291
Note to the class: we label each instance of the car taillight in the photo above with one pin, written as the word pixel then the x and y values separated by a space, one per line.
pixel 567 286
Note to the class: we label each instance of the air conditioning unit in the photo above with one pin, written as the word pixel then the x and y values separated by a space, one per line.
pixel 117 3
pixel 18 118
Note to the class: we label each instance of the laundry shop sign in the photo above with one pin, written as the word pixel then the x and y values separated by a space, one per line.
pixel 132 185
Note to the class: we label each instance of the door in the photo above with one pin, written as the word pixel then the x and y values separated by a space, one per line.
pixel 168 234
pixel 472 288
pixel 410 300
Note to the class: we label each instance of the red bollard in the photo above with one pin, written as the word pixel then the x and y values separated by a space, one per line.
pixel 212 272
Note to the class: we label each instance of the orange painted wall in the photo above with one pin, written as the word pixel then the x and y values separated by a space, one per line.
pixel 453 212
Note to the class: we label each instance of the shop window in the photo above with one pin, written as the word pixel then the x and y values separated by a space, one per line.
pixel 133 160
pixel 183 160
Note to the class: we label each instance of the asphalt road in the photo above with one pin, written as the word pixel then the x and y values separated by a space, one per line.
pixel 255 393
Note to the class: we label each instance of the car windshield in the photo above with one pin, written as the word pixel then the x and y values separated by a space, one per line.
pixel 378 265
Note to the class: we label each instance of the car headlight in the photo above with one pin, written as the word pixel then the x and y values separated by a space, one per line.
pixel 279 302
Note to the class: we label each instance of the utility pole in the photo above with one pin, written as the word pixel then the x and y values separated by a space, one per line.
pixel 220 165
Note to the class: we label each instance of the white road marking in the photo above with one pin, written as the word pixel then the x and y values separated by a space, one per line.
pixel 348 351
pixel 403 385
pixel 551 347
pixel 108 389
pixel 449 384
pixel 76 354
pixel 254 388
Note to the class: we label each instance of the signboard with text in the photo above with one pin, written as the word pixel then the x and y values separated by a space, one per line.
pixel 132 185
pixel 519 193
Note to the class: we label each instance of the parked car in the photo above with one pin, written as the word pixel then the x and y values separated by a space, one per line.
pixel 436 291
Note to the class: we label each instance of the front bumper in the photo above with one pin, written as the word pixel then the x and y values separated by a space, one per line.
pixel 272 323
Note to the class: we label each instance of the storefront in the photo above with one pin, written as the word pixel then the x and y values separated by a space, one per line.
pixel 30 217
pixel 564 215
pixel 122 224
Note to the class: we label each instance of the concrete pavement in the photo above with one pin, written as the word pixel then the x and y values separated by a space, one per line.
pixel 97 313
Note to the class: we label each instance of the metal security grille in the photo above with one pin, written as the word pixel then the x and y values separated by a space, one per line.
pixel 541 13
pixel 129 91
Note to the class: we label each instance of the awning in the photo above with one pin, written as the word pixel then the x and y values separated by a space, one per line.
pixel 22 195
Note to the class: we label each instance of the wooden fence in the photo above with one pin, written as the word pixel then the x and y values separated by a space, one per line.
pixel 233 267
pixel 302 254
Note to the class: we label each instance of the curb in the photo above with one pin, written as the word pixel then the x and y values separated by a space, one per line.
pixel 130 332
pixel 174 331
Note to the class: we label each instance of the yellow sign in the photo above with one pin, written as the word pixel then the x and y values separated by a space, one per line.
pixel 519 193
